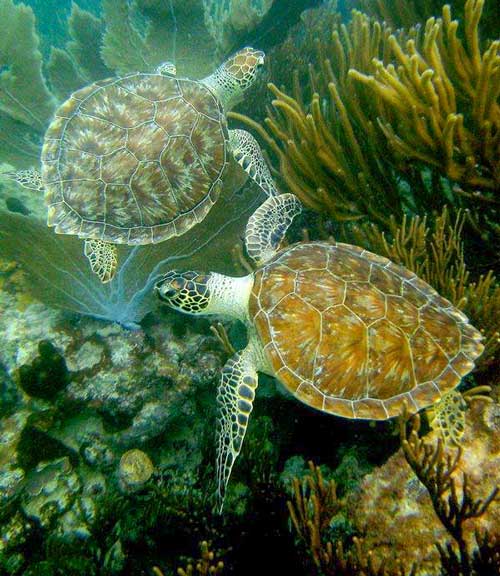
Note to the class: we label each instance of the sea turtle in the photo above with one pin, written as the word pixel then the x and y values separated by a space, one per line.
pixel 140 158
pixel 344 330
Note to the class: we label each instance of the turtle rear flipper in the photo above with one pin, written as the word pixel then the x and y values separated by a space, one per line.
pixel 267 226
pixel 31 178
pixel 102 257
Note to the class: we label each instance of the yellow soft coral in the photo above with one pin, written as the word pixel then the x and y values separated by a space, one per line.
pixel 438 102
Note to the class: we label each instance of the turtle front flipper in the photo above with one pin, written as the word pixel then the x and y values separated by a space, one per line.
pixel 103 258
pixel 30 178
pixel 267 226
pixel 235 397
pixel 248 154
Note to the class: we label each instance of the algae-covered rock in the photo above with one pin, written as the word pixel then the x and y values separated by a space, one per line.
pixel 9 395
pixel 392 507
pixel 134 471
pixel 50 490
pixel 11 474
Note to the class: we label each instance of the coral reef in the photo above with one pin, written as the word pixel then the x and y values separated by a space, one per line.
pixel 312 510
pixel 128 392
pixel 436 470
pixel 377 130
pixel 393 508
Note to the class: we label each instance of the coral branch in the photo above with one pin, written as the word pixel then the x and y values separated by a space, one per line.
pixel 454 505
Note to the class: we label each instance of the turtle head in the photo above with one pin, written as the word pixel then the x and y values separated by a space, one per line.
pixel 185 291
pixel 235 75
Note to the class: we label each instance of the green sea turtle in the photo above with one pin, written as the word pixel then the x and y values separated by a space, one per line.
pixel 344 330
pixel 140 158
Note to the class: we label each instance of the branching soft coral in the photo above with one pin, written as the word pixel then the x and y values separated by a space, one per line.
pixel 330 150
pixel 438 101
pixel 393 122
pixel 453 505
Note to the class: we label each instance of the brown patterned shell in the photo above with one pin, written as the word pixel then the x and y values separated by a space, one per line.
pixel 353 334
pixel 134 160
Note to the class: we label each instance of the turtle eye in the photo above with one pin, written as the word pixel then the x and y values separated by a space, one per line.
pixel 166 288
pixel 169 293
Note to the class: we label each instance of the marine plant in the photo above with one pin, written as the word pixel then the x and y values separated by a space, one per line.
pixel 452 500
pixel 56 272
pixel 387 120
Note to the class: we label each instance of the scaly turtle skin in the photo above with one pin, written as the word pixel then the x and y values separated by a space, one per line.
pixel 346 331
pixel 141 158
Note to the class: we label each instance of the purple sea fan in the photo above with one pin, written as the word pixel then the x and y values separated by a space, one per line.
pixel 58 272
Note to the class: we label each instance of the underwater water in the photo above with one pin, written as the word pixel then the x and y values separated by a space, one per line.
pixel 249 297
